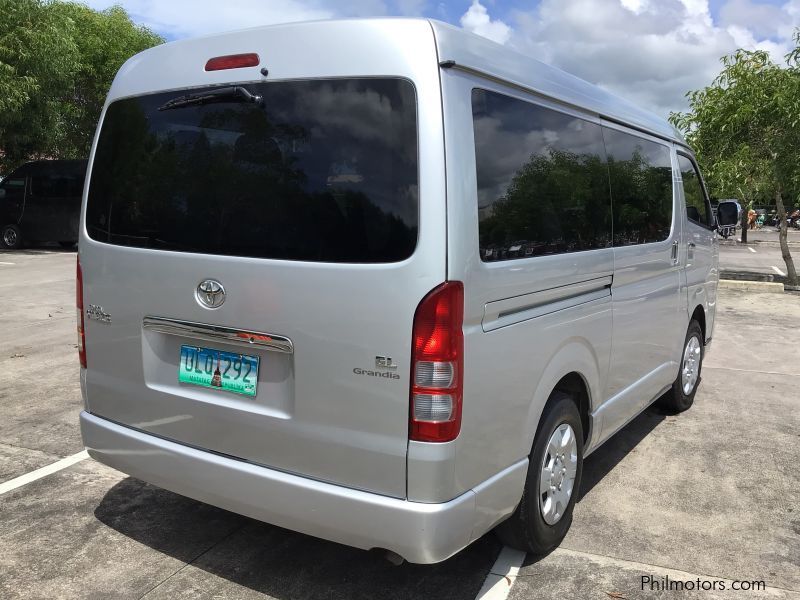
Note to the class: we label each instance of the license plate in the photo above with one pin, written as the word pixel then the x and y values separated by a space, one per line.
pixel 220 370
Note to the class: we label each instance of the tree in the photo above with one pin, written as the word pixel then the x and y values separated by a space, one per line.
pixel 745 128
pixel 57 62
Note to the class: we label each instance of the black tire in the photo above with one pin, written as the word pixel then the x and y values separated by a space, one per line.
pixel 676 400
pixel 11 237
pixel 526 529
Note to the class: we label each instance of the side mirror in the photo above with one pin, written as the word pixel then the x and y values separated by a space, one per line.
pixel 727 213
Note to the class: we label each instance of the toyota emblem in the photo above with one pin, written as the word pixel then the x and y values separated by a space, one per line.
pixel 210 293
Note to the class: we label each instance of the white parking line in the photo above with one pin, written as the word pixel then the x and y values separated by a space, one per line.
pixel 7 263
pixel 501 576
pixel 43 472
pixel 753 250
pixel 778 271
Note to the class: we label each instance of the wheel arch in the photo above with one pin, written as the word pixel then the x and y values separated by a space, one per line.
pixel 573 370
pixel 699 315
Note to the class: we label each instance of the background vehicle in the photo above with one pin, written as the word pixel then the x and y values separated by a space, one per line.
pixel 41 201
pixel 728 211
pixel 368 288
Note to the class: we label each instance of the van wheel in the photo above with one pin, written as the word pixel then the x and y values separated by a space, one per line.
pixel 681 396
pixel 544 513
pixel 11 237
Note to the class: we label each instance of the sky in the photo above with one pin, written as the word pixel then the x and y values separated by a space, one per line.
pixel 649 51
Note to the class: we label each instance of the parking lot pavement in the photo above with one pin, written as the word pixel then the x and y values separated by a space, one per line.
pixel 712 494
pixel 761 254
pixel 39 388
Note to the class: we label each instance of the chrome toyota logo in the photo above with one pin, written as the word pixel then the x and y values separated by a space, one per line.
pixel 210 293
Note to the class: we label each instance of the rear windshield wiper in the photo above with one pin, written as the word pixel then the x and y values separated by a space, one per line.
pixel 226 94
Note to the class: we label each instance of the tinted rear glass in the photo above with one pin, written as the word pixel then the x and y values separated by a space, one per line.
pixel 322 170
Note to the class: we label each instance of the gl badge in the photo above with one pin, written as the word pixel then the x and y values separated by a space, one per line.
pixel 210 293
pixel 385 362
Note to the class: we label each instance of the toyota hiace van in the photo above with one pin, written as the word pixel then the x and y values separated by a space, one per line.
pixel 383 282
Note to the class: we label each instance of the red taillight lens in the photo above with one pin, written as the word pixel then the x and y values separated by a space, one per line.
pixel 437 365
pixel 232 61
pixel 79 306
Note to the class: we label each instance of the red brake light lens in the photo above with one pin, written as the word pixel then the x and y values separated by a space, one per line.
pixel 79 306
pixel 232 61
pixel 437 365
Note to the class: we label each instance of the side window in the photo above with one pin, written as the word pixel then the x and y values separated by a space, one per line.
pixel 43 186
pixel 697 208
pixel 14 188
pixel 542 180
pixel 641 188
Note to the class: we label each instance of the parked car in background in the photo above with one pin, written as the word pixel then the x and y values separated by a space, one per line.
pixel 732 211
pixel 41 202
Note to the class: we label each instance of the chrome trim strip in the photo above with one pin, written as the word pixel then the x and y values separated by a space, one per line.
pixel 218 333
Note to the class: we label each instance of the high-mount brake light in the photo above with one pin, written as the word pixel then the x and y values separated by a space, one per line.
pixel 437 365
pixel 79 306
pixel 233 61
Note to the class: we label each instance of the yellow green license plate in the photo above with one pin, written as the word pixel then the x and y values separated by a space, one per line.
pixel 219 370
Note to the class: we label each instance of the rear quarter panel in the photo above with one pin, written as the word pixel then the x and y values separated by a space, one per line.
pixel 511 366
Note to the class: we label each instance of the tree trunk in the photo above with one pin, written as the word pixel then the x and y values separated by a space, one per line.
pixel 745 222
pixel 784 226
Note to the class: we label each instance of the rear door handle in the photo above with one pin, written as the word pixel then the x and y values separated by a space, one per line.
pixel 674 254
pixel 692 246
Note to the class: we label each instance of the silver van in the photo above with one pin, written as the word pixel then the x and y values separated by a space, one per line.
pixel 383 282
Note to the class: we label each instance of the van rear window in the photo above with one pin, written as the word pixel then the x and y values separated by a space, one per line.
pixel 317 170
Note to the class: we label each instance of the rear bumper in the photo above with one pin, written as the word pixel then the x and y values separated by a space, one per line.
pixel 420 533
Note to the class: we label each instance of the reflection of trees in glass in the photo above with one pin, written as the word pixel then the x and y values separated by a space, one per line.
pixel 227 179
pixel 556 202
pixel 695 199
pixel 642 199
pixel 559 202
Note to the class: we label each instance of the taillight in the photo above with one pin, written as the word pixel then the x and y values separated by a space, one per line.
pixel 232 61
pixel 79 306
pixel 437 365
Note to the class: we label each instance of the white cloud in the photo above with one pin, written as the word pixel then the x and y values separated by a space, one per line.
pixel 477 20
pixel 187 18
pixel 650 51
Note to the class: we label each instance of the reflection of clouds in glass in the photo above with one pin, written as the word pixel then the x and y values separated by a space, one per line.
pixel 366 124
pixel 542 180
pixel 512 135
pixel 362 111
pixel 622 146
pixel 323 170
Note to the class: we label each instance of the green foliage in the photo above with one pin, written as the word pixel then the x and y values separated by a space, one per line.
pixel 744 126
pixel 57 62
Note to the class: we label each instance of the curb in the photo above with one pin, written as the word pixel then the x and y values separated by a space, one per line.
pixel 752 286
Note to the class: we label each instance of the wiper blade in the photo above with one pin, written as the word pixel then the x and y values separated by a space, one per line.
pixel 226 94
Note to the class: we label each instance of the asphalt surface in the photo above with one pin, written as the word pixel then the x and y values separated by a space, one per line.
pixel 760 256
pixel 712 494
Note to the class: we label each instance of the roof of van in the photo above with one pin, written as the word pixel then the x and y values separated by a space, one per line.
pixel 455 47
pixel 479 54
